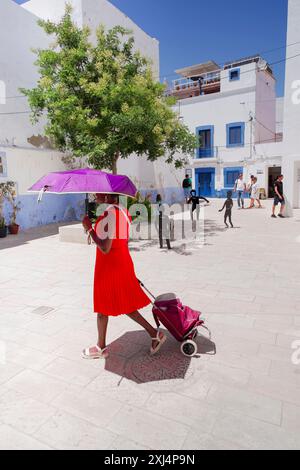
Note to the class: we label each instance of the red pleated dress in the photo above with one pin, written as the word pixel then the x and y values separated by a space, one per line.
pixel 116 288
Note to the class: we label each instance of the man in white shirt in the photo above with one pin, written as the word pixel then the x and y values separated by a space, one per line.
pixel 240 188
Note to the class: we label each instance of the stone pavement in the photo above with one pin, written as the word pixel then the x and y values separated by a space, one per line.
pixel 242 392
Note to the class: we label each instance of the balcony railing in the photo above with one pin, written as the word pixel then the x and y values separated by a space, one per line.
pixel 209 82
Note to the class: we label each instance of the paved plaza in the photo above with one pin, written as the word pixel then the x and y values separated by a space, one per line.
pixel 241 392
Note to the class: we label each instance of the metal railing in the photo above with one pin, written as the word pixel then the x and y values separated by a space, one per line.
pixel 188 83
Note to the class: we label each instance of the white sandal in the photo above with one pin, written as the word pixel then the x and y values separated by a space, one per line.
pixel 161 339
pixel 99 354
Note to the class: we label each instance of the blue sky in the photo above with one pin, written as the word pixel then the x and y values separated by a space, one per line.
pixel 195 31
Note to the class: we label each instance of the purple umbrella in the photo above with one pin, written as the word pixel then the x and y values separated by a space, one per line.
pixel 84 181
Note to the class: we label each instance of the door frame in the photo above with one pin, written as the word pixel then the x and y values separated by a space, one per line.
pixel 276 167
pixel 212 171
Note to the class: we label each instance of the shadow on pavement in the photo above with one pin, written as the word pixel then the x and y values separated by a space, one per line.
pixel 129 358
pixel 24 237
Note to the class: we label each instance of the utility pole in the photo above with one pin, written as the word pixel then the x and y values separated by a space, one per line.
pixel 251 134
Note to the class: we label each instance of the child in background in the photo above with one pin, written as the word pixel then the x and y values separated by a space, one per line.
pixel 228 204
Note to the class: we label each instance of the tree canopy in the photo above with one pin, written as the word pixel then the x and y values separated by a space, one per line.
pixel 101 100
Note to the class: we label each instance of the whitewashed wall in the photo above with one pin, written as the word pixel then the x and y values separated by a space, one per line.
pixel 22 145
pixel 291 166
pixel 95 12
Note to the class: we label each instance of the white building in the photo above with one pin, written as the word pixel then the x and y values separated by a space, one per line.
pixel 242 125
pixel 235 113
pixel 291 161
pixel 25 155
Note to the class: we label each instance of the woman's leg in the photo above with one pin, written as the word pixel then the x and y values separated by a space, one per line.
pixel 102 322
pixel 137 317
pixel 251 203
pixel 259 203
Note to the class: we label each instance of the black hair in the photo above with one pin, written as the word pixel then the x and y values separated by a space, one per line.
pixel 229 194
pixel 193 191
pixel 158 198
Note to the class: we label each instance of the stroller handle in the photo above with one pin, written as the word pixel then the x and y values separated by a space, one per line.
pixel 147 290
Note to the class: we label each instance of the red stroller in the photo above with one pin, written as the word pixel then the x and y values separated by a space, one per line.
pixel 181 321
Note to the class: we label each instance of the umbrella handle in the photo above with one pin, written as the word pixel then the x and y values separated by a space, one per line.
pixel 86 204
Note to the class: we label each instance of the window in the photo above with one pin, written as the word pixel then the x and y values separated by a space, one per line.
pixel 230 176
pixel 236 134
pixel 2 164
pixel 206 141
pixel 234 75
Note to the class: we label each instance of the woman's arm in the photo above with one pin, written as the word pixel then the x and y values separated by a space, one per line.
pixel 103 245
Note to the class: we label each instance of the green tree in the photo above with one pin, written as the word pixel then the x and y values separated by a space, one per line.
pixel 101 100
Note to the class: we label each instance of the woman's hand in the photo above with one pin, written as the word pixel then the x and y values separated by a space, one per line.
pixel 87 224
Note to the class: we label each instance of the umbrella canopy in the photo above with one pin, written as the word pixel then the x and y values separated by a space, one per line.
pixel 84 181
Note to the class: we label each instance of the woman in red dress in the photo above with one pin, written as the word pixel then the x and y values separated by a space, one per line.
pixel 116 289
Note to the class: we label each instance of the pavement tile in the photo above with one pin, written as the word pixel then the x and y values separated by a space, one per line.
pixel 254 434
pixel 134 422
pixel 87 405
pixel 11 439
pixel 22 412
pixel 36 385
pixel 246 403
pixel 66 432
pixel 244 396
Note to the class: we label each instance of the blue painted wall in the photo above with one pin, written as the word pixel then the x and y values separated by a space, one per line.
pixel 52 209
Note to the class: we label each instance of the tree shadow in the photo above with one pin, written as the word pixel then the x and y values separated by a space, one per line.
pixel 130 358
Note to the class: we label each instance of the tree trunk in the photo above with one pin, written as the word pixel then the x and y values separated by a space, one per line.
pixel 115 163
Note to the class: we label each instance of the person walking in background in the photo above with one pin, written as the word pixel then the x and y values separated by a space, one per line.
pixel 279 197
pixel 228 205
pixel 117 290
pixel 240 188
pixel 255 194
pixel 162 224
pixel 249 185
pixel 187 187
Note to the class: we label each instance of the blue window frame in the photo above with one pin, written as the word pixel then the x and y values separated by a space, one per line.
pixel 206 141
pixel 234 75
pixel 231 174
pixel 235 134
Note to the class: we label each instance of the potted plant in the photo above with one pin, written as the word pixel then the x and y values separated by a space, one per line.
pixel 3 228
pixel 13 226
pixel 8 191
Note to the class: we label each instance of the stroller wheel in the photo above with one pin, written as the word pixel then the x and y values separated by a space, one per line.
pixel 189 348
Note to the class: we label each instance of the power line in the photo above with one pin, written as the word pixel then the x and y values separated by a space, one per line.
pixel 259 54
pixel 174 73
pixel 221 78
